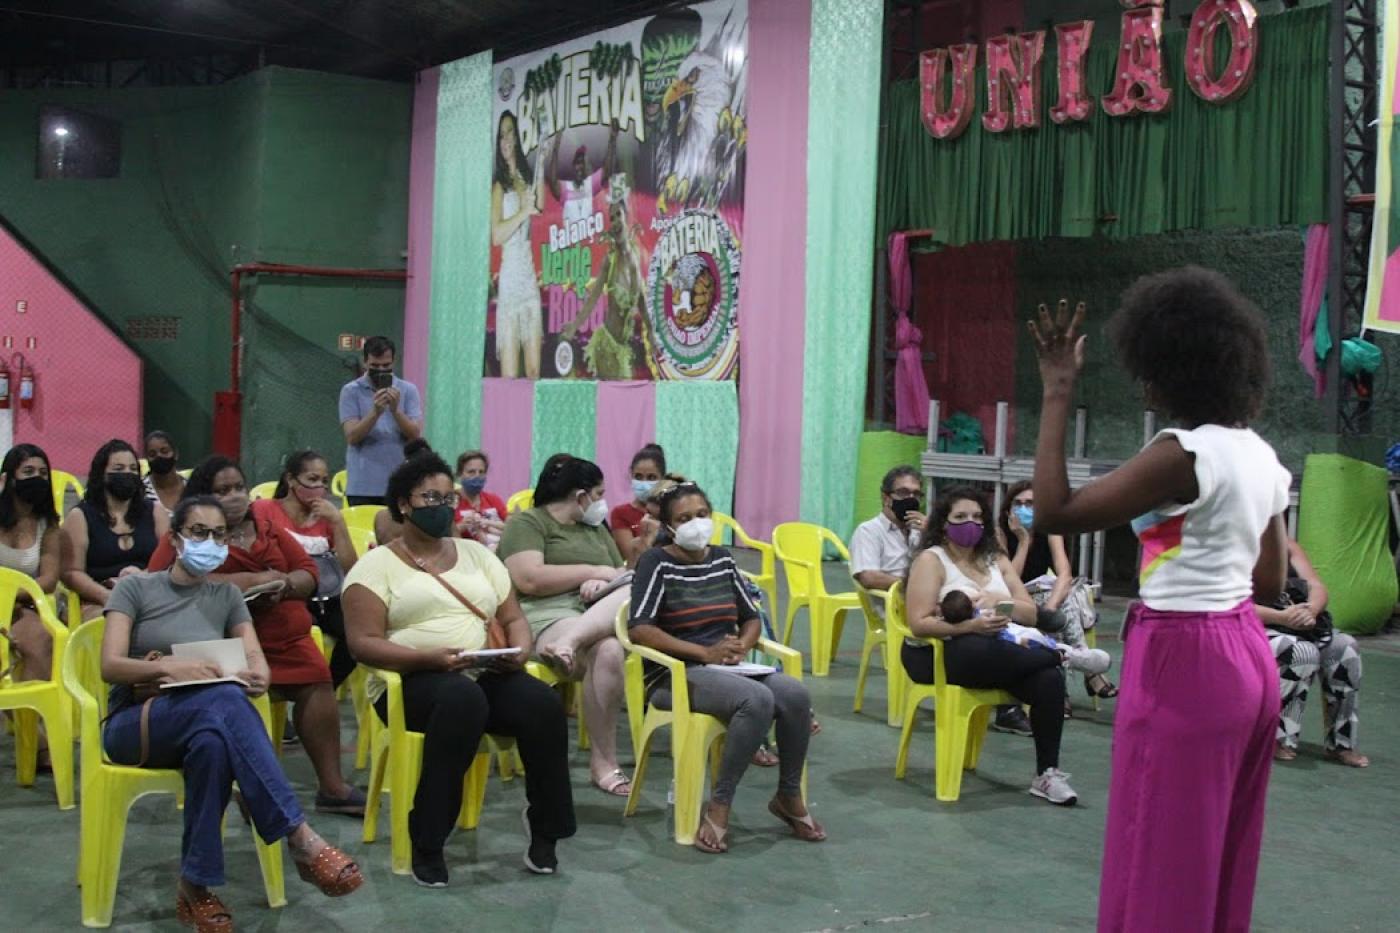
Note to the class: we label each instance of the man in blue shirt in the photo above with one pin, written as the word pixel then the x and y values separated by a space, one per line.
pixel 379 413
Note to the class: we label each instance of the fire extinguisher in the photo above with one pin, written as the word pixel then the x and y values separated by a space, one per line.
pixel 26 384
pixel 4 385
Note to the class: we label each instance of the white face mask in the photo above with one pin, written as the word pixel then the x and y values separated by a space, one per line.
pixel 695 534
pixel 595 512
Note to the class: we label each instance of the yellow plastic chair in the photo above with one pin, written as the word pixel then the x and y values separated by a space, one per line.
pixel 520 501
pixel 697 739
pixel 33 700
pixel 108 790
pixel 185 473
pixel 396 763
pixel 338 485
pixel 799 546
pixel 62 482
pixel 263 490
pixel 360 516
pixel 767 577
pixel 960 714
pixel 877 635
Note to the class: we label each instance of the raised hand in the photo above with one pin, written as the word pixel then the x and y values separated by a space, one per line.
pixel 1059 344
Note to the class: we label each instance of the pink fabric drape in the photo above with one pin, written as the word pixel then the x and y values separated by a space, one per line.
pixel 1315 261
pixel 418 290
pixel 507 420
pixel 626 419
pixel 772 290
pixel 911 396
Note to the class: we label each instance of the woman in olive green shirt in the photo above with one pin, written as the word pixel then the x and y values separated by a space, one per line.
pixel 561 557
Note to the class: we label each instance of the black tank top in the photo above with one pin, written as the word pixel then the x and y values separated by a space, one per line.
pixel 105 557
pixel 1037 558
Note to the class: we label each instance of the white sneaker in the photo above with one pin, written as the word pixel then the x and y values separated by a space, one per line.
pixel 1086 660
pixel 1053 785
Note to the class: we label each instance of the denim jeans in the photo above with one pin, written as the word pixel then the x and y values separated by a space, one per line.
pixel 214 736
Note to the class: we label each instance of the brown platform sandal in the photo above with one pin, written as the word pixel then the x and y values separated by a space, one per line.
pixel 206 913
pixel 330 870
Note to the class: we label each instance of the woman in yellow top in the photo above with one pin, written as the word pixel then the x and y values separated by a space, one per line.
pixel 416 606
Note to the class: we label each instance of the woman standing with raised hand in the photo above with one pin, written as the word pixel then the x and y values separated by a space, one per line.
pixel 1194 728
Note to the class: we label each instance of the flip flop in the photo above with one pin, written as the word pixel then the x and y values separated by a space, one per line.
pixel 721 834
pixel 803 827
pixel 764 757
pixel 353 804
pixel 615 789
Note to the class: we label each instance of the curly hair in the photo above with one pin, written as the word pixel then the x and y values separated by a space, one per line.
pixel 1197 345
pixel 409 474
pixel 935 531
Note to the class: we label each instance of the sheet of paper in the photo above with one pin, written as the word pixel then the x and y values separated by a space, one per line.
pixel 488 652
pixel 211 680
pixel 743 668
pixel 226 653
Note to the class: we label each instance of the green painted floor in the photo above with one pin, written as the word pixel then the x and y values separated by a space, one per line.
pixel 896 858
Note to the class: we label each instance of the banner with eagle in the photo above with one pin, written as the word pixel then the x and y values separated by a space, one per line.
pixel 617 197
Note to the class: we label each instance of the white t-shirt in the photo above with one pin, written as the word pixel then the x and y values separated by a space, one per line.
pixel 1200 557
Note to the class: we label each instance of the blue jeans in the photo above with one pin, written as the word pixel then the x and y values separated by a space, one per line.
pixel 215 736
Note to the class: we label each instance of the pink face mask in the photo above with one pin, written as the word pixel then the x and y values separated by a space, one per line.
pixel 308 494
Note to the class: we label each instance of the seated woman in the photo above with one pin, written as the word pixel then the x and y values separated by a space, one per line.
pixel 419 606
pixel 1065 610
pixel 633 529
pixel 386 526
pixel 299 508
pixel 29 543
pixel 260 554
pixel 114 529
pixel 561 559
pixel 689 601
pixel 164 484
pixel 957 553
pixel 481 515
pixel 1306 645
pixel 210 732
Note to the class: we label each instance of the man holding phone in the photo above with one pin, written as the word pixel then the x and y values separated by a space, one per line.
pixel 379 413
pixel 882 547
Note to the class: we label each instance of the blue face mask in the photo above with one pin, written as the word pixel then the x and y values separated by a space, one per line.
pixel 203 557
pixel 473 485
pixel 1025 514
pixel 641 488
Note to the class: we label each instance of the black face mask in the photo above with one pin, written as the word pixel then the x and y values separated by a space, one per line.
pixel 122 486
pixel 161 465
pixel 902 507
pixel 35 490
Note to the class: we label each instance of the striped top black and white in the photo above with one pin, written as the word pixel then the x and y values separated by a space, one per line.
pixel 700 602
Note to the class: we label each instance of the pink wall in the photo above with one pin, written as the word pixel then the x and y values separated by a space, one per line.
pixel 421 167
pixel 87 382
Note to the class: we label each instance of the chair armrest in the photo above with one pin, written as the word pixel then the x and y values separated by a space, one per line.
pixel 393 688
pixel 829 537
pixel 790 658
pixel 675 668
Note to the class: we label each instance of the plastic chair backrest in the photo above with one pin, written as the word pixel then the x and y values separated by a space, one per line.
pixel 867 602
pixel 61 482
pixel 338 484
pixel 520 501
pixel 897 618
pixel 263 490
pixel 801 546
pixel 82 678
pixel 360 516
pixel 12 583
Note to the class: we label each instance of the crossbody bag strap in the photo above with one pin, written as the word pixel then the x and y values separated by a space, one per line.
pixel 398 547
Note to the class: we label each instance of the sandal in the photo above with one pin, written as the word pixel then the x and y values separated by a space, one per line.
pixel 720 844
pixel 1284 753
pixel 352 804
pixel 333 872
pixel 620 786
pixel 1349 757
pixel 816 726
pixel 803 827
pixel 206 913
pixel 561 660
pixel 1106 691
pixel 764 757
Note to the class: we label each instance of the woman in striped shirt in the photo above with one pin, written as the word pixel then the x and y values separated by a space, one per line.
pixel 688 601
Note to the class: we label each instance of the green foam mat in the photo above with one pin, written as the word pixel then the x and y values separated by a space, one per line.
pixel 1344 526
pixel 879 452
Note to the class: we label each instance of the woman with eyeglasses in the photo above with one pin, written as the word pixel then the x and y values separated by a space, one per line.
pixel 299 508
pixel 689 601
pixel 277 578
pixel 113 531
pixel 209 731
pixel 561 559
pixel 29 543
pixel 421 605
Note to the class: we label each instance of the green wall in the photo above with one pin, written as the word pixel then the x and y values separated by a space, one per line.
pixel 279 166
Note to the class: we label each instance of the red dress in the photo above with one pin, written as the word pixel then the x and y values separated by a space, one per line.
pixel 284 629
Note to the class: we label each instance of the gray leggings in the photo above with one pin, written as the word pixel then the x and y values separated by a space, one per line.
pixel 749 706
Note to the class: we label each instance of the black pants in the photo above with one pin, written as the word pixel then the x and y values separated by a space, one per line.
pixel 365 500
pixel 1031 675
pixel 331 620
pixel 453 712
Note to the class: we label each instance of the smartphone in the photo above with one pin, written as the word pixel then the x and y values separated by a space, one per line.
pixel 1005 608
pixel 380 379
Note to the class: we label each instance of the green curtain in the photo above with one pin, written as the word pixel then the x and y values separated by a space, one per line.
pixel 461 254
pixel 698 425
pixel 566 420
pixel 843 118
pixel 1260 161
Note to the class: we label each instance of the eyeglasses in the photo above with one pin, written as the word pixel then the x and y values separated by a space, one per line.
pixel 1023 502
pixel 901 495
pixel 432 498
pixel 201 533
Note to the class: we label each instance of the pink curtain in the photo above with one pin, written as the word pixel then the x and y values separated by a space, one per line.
pixel 911 396
pixel 626 420
pixel 507 420
pixel 773 287
pixel 1315 262
pixel 417 292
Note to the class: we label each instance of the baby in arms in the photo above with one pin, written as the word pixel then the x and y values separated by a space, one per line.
pixel 957 607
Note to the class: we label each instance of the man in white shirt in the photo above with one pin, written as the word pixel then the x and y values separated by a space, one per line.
pixel 882 547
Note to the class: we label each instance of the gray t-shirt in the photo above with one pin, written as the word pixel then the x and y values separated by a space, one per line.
pixel 164 613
